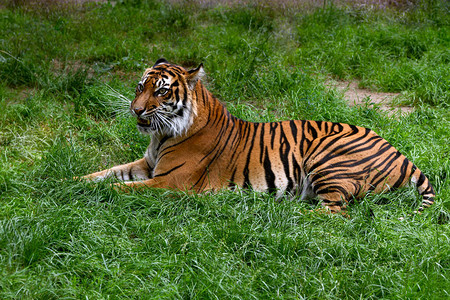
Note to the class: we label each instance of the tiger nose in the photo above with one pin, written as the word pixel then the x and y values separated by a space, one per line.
pixel 138 110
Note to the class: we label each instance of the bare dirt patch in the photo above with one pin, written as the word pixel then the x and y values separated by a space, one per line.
pixel 358 96
pixel 47 6
pixel 295 5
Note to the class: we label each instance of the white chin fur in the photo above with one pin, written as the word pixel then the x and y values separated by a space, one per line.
pixel 178 125
pixel 145 130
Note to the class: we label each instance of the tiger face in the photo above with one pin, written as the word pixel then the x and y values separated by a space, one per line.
pixel 164 104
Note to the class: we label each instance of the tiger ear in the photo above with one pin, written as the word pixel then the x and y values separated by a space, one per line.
pixel 195 75
pixel 160 61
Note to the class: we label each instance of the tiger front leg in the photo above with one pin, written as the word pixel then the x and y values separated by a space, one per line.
pixel 181 179
pixel 137 170
pixel 158 182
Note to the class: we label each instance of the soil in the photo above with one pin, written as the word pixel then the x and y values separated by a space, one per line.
pixel 357 96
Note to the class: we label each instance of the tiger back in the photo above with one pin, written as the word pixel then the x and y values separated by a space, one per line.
pixel 196 144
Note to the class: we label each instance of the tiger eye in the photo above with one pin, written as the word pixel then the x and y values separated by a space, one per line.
pixel 162 91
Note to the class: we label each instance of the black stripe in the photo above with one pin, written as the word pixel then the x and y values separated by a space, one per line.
pixel 247 131
pixel 161 142
pixel 170 72
pixel 162 155
pixel 296 170
pixel 339 127
pixel 355 129
pixel 429 189
pixel 285 148
pixel 302 140
pixel 293 130
pixel 171 170
pixel 235 141
pixel 357 188
pixel 312 130
pixel 180 112
pixel 231 182
pixel 185 95
pixel 261 143
pixel 150 169
pixel 421 179
pixel 237 128
pixel 269 175
pixel 402 173
pixel 177 68
pixel 273 127
pixel 177 96
pixel 246 171
pixel 319 125
pixel 204 97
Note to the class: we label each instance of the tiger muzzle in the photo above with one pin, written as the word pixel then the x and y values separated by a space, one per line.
pixel 143 122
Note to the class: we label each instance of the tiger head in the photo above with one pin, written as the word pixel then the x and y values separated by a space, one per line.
pixel 164 103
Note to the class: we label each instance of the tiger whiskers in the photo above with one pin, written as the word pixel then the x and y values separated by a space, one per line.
pixel 116 101
pixel 168 122
pixel 179 125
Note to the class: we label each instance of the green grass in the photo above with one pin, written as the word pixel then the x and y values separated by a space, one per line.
pixel 62 72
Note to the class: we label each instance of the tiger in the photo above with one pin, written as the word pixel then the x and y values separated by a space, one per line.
pixel 197 145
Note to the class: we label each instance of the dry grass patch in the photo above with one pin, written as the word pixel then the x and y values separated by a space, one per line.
pixel 354 95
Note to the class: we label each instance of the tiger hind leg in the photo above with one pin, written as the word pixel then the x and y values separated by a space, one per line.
pixel 335 201
pixel 332 201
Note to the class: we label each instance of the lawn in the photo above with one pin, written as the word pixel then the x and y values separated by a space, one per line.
pixel 67 74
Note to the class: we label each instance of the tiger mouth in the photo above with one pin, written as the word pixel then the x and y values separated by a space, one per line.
pixel 143 122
